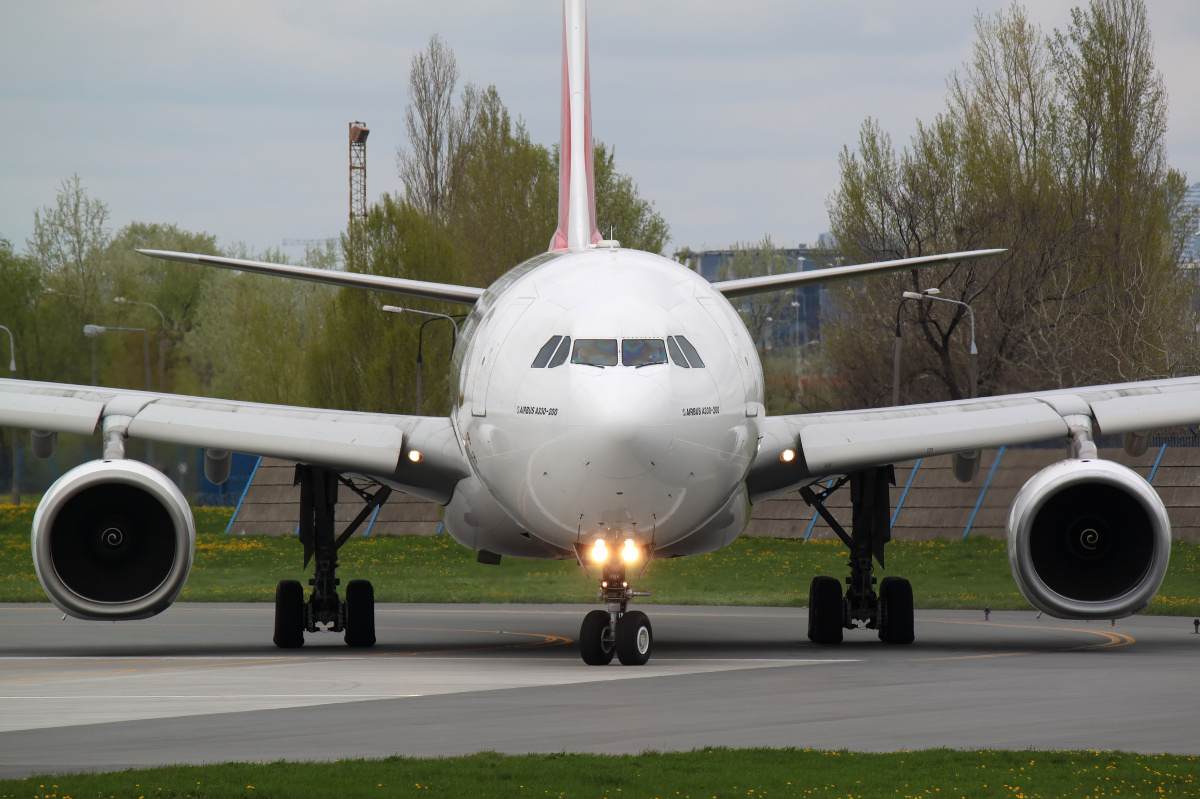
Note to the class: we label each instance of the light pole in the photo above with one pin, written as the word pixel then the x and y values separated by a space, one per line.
pixel 92 331
pixel 931 294
pixel 896 353
pixel 162 339
pixel 16 444
pixel 420 341
pixel 796 305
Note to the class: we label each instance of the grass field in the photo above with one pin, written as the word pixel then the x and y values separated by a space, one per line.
pixel 967 574
pixel 716 773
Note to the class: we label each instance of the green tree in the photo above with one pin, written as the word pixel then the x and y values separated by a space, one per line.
pixel 620 211
pixel 1025 157
pixel 252 333
pixel 68 246
pixel 365 359
pixel 171 287
pixel 505 203
pixel 18 306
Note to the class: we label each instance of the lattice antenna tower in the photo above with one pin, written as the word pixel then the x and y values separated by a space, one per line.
pixel 358 181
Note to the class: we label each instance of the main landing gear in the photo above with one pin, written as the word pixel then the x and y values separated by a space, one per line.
pixel 616 631
pixel 890 612
pixel 356 615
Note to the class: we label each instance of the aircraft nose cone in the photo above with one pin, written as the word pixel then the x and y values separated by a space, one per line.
pixel 623 423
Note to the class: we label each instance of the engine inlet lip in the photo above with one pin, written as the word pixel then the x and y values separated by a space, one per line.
pixel 128 472
pixel 1032 498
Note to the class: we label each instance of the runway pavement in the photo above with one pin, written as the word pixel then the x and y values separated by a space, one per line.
pixel 202 683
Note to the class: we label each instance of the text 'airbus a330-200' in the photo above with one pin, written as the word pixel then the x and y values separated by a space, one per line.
pixel 608 408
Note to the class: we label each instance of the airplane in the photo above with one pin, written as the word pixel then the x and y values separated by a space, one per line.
pixel 608 408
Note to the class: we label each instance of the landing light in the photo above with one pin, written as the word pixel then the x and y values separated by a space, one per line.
pixel 600 551
pixel 788 455
pixel 630 552
pixel 415 456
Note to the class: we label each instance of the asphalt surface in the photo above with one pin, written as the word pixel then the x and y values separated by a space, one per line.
pixel 202 683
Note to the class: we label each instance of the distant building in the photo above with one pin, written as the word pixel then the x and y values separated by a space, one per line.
pixel 1191 250
pixel 799 321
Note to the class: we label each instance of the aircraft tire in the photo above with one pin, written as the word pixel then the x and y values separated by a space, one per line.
pixel 896 605
pixel 635 637
pixel 360 614
pixel 289 615
pixel 825 611
pixel 592 646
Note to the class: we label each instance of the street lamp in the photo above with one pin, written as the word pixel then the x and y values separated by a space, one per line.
pixel 796 305
pixel 421 339
pixel 931 294
pixel 162 339
pixel 16 444
pixel 896 353
pixel 92 331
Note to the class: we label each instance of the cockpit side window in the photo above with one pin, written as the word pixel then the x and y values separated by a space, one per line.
pixel 543 356
pixel 564 350
pixel 595 351
pixel 643 351
pixel 693 357
pixel 676 355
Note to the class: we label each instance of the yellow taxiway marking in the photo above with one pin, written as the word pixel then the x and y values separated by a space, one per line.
pixel 1111 639
pixel 544 641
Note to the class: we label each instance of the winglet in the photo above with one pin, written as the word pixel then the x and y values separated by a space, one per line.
pixel 576 182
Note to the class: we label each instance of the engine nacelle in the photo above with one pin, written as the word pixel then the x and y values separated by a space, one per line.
pixel 1088 539
pixel 113 539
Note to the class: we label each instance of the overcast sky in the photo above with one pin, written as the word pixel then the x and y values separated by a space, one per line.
pixel 231 117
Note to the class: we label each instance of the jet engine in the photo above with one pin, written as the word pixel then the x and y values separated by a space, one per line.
pixel 113 539
pixel 1088 539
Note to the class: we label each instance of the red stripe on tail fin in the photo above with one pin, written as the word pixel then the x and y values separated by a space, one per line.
pixel 576 178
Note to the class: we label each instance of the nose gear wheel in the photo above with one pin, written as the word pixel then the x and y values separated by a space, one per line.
pixel 616 631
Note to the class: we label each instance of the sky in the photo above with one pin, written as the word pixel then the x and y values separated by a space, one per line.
pixel 230 117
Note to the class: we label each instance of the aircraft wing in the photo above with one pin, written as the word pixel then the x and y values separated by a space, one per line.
pixel 827 444
pixel 787 280
pixel 377 445
pixel 466 295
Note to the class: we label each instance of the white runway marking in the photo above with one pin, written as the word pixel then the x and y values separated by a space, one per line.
pixel 90 689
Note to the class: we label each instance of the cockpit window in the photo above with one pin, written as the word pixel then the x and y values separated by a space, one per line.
pixel 693 357
pixel 595 351
pixel 543 356
pixel 676 354
pixel 558 347
pixel 643 351
pixel 564 350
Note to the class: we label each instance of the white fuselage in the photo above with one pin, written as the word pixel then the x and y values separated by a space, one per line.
pixel 587 443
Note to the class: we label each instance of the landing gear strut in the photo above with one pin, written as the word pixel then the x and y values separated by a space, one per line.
pixel 618 630
pixel 356 615
pixel 890 612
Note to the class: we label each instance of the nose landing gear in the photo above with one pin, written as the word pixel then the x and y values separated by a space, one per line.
pixel 616 631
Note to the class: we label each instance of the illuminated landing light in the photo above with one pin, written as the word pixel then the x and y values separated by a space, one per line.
pixel 788 455
pixel 415 456
pixel 630 552
pixel 600 551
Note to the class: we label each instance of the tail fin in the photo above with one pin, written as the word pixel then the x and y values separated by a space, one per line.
pixel 576 181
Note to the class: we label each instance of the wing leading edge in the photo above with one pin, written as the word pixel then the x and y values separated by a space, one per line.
pixel 378 445
pixel 787 280
pixel 465 295
pixel 827 444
